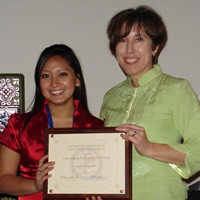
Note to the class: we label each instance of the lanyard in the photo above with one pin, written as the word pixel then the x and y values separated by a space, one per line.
pixel 50 121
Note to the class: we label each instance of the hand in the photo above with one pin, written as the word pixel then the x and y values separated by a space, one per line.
pixel 137 135
pixel 94 198
pixel 42 173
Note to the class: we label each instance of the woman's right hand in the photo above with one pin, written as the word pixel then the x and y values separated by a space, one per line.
pixel 42 172
pixel 137 135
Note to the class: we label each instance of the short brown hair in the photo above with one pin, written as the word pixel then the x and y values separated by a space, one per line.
pixel 145 19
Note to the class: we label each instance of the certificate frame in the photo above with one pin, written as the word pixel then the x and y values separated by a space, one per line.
pixel 93 134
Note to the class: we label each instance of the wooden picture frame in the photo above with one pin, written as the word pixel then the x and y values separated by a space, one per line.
pixel 89 162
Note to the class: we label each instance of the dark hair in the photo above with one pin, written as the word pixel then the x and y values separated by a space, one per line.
pixel 144 19
pixel 68 54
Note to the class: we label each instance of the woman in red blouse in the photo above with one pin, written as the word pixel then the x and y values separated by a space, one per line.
pixel 60 102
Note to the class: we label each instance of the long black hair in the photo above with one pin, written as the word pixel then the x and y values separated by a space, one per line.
pixel 68 54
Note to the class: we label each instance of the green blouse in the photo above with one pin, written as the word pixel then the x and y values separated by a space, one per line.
pixel 169 110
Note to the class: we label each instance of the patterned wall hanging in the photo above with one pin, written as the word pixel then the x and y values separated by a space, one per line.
pixel 11 96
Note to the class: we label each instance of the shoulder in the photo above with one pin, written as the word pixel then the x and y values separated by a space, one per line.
pixel 17 121
pixel 173 79
pixel 85 119
pixel 117 89
pixel 17 118
pixel 174 90
pixel 94 121
pixel 11 133
pixel 172 82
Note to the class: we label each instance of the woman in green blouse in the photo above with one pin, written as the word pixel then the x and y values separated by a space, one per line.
pixel 160 114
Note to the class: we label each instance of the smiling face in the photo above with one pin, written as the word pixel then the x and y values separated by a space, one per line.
pixel 134 54
pixel 58 81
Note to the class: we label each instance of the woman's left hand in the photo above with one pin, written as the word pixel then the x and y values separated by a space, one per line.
pixel 136 135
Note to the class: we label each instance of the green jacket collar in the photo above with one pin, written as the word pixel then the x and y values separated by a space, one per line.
pixel 148 76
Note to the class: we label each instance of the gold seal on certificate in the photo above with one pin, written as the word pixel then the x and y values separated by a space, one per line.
pixel 89 161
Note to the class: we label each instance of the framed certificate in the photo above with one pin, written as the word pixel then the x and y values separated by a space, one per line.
pixel 89 162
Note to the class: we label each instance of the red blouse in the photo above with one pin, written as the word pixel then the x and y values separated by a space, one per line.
pixel 30 144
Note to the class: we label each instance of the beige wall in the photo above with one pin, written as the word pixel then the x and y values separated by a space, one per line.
pixel 28 26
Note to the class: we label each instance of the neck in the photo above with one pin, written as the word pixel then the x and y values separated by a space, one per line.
pixel 135 77
pixel 62 116
pixel 134 82
pixel 61 110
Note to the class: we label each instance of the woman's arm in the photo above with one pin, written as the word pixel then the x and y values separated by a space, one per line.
pixel 144 147
pixel 12 184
